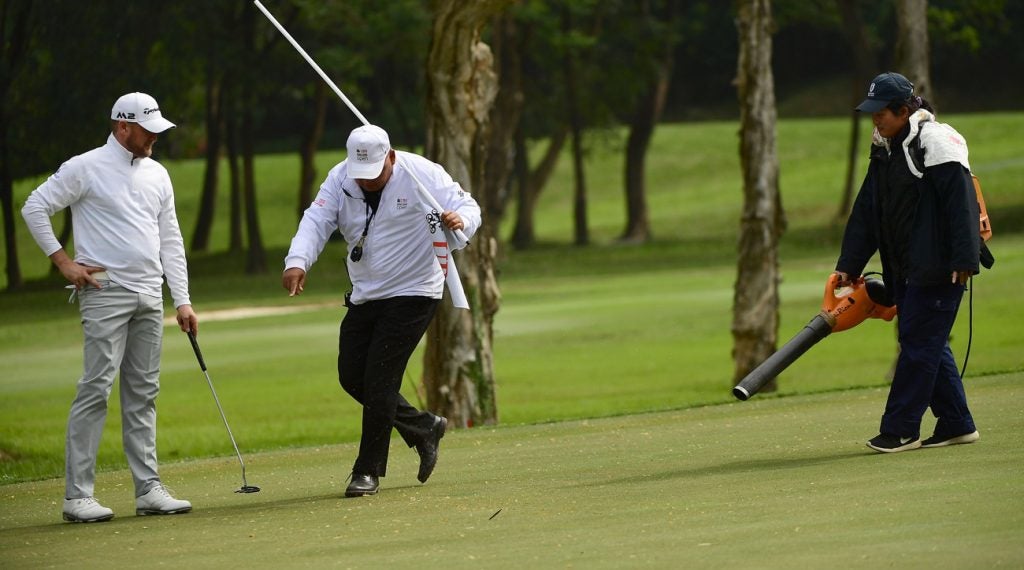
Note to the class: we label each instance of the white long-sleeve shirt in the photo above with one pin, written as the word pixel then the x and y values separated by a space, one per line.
pixel 123 217
pixel 399 258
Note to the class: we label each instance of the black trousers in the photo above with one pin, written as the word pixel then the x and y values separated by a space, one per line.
pixel 374 345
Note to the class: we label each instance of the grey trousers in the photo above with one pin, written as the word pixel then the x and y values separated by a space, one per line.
pixel 123 332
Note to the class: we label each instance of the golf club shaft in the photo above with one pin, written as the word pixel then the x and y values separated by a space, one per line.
pixel 209 382
pixel 226 426
pixel 423 190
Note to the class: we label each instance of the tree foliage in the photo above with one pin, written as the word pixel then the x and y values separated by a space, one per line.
pixel 80 56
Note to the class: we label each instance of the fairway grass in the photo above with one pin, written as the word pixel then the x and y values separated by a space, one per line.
pixel 567 346
pixel 770 483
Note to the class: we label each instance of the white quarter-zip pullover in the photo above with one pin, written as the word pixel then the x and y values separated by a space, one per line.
pixel 123 217
pixel 398 253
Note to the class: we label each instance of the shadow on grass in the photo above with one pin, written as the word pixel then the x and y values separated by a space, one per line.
pixel 249 507
pixel 734 467
pixel 201 512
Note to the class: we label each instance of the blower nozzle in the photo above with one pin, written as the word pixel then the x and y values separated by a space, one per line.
pixel 841 310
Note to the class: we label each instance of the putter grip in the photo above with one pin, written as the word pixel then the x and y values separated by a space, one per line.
pixel 195 348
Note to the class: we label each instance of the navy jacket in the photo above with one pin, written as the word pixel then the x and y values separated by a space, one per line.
pixel 943 235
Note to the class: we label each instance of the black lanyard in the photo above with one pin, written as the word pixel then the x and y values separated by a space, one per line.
pixel 371 211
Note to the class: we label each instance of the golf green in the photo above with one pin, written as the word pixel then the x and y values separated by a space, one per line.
pixel 770 483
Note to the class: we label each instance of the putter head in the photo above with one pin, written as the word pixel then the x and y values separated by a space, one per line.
pixel 248 489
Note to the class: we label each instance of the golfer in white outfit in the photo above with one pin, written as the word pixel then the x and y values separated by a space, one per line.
pixel 126 240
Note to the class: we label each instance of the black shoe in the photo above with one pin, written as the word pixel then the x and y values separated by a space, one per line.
pixel 362 485
pixel 888 443
pixel 944 440
pixel 428 448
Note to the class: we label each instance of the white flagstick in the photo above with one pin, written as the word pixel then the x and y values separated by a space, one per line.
pixel 425 194
pixel 453 280
pixel 459 237
pixel 309 60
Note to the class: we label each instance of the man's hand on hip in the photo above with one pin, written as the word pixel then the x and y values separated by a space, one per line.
pixel 77 274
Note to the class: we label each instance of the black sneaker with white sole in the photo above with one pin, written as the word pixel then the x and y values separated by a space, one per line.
pixel 944 440
pixel 888 443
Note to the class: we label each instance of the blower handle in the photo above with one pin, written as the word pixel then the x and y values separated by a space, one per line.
pixel 831 301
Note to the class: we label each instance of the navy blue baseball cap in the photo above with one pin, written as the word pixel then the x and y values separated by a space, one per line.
pixel 884 89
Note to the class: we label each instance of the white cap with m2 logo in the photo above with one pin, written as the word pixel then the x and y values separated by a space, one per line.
pixel 142 109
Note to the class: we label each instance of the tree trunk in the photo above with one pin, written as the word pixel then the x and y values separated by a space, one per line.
pixel 581 232
pixel 641 130
pixel 756 301
pixel 458 371
pixel 14 43
pixel 13 268
pixel 256 256
pixel 503 118
pixel 214 133
pixel 310 144
pixel 912 54
pixel 864 68
pixel 235 241
pixel 531 183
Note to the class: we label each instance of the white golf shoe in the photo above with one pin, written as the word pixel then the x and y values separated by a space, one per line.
pixel 158 501
pixel 86 510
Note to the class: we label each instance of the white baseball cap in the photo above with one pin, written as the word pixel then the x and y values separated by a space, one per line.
pixel 368 147
pixel 142 109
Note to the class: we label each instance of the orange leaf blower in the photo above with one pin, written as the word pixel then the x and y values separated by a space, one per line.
pixel 840 310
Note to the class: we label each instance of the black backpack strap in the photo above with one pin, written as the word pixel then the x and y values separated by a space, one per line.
pixel 916 151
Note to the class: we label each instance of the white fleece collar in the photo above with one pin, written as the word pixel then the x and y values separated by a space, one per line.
pixel 941 142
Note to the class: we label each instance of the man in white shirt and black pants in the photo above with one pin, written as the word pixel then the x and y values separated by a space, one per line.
pixel 397 263
pixel 126 240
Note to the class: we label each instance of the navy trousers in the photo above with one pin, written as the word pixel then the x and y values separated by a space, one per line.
pixel 374 345
pixel 926 373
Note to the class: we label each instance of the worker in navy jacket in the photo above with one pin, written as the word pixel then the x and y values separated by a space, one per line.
pixel 917 208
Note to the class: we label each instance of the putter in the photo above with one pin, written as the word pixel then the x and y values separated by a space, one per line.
pixel 246 487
